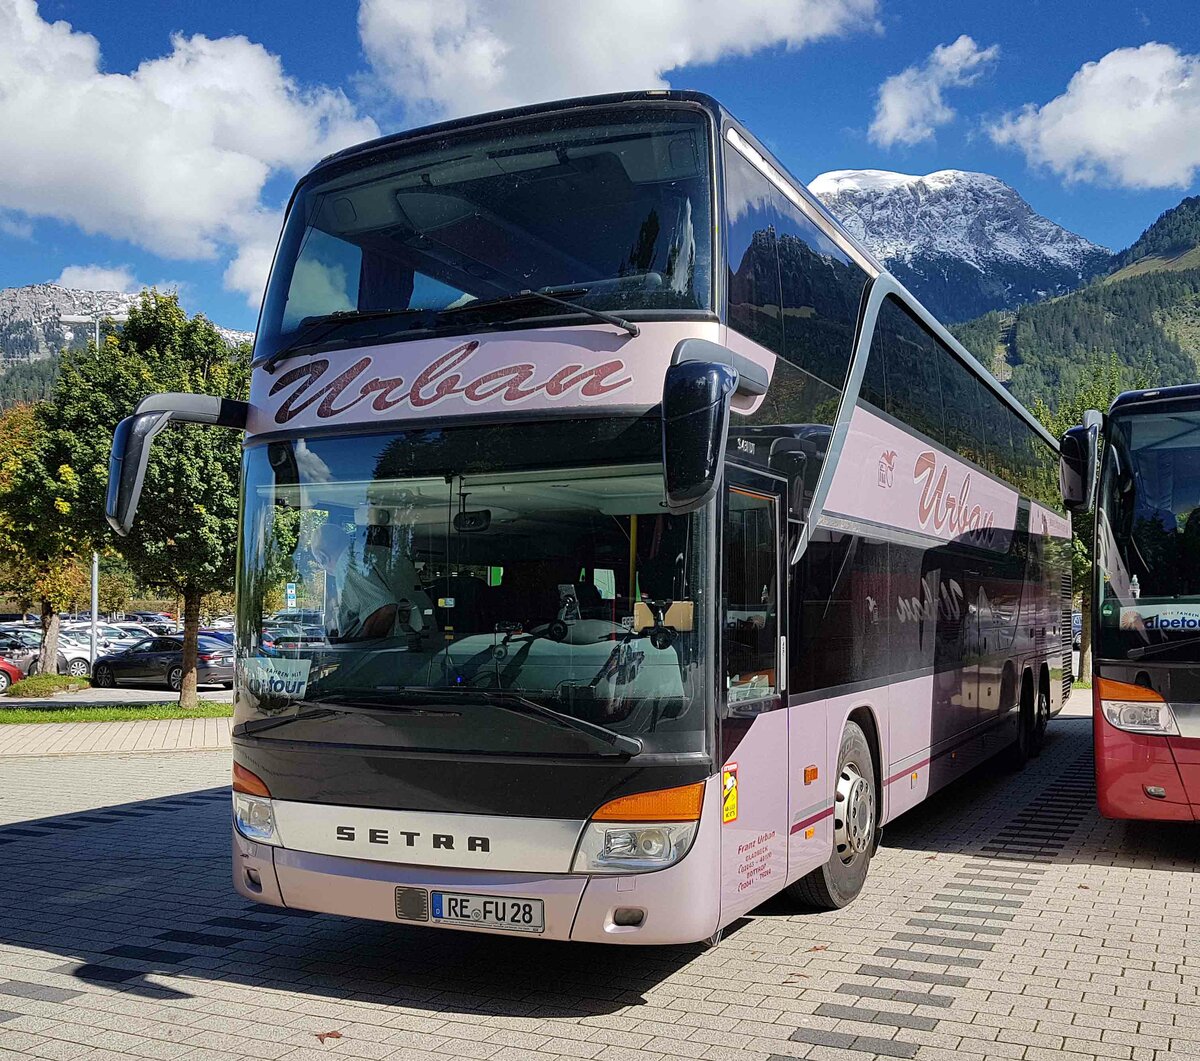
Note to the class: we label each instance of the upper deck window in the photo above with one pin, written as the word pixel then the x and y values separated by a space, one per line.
pixel 608 208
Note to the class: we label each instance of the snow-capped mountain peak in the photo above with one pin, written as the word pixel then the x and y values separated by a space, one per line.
pixel 31 325
pixel 964 242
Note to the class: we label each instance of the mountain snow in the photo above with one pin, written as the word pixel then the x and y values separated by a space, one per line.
pixel 31 328
pixel 926 229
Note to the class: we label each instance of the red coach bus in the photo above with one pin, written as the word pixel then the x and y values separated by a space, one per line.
pixel 1146 600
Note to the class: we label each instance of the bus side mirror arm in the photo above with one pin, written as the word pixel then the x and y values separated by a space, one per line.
pixel 1077 464
pixel 697 390
pixel 131 444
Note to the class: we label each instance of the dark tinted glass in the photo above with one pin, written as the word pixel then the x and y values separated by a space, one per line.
pixel 910 356
pixel 820 291
pixel 616 202
pixel 996 421
pixel 753 220
pixel 960 399
pixel 788 434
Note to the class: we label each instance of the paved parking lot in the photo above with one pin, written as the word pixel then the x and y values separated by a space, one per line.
pixel 1003 919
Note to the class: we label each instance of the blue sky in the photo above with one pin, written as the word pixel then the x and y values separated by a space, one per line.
pixel 178 173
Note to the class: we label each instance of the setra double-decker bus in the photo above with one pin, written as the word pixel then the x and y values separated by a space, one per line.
pixel 1145 599
pixel 663 546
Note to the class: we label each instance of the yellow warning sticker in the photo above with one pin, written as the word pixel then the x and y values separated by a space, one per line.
pixel 729 796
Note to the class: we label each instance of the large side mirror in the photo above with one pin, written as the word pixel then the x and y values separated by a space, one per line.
pixel 1078 453
pixel 132 438
pixel 697 390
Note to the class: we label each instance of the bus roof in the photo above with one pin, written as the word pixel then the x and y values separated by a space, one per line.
pixel 1155 396
pixel 721 117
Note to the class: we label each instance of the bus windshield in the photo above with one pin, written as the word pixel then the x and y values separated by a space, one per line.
pixel 608 208
pixel 437 587
pixel 1148 537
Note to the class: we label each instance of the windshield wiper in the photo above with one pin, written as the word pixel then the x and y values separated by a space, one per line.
pixel 552 296
pixel 311 711
pixel 326 324
pixel 515 702
pixel 322 326
pixel 1164 646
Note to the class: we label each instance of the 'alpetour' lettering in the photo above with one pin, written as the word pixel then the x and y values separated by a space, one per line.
pixel 446 377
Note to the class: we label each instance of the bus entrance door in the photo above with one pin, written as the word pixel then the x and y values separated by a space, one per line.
pixel 753 722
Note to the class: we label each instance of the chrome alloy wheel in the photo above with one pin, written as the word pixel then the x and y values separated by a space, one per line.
pixel 853 814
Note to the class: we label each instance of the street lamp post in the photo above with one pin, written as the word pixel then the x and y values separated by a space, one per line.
pixel 94 320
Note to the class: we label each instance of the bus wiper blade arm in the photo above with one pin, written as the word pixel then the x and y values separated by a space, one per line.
pixel 314 709
pixel 325 325
pixel 554 297
pixel 523 705
pixel 1165 646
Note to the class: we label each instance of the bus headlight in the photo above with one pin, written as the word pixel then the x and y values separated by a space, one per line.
pixel 611 848
pixel 645 831
pixel 254 818
pixel 1134 708
pixel 1141 717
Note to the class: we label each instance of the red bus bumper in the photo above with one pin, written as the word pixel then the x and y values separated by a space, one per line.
pixel 1128 763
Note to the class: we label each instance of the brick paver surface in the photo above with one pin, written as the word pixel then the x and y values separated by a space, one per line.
pixel 1002 919
pixel 73 738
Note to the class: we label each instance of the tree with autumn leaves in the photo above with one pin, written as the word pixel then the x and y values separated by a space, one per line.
pixel 184 541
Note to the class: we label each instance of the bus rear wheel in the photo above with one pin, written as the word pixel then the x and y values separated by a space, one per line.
pixel 1041 719
pixel 838 882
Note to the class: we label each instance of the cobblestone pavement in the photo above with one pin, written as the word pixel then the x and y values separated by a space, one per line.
pixel 1003 919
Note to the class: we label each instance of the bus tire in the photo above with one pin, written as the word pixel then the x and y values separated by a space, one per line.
pixel 1041 720
pixel 838 882
pixel 1017 754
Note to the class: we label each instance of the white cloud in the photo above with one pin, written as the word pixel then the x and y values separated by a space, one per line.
pixel 911 105
pixel 172 156
pixel 1131 118
pixel 451 57
pixel 99 278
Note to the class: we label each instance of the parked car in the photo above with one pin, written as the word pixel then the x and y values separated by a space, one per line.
pixel 219 633
pixel 9 673
pixel 300 616
pixel 1076 629
pixel 159 661
pixel 23 647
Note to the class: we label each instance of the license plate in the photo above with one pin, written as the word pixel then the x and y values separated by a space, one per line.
pixel 488 911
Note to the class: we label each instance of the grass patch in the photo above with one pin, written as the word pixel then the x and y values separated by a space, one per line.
pixel 47 685
pixel 111 712
pixel 1077 684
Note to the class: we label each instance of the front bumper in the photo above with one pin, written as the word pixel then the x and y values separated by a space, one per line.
pixel 680 904
pixel 1128 763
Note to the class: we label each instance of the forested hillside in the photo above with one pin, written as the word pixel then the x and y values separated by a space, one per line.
pixel 26 381
pixel 1145 313
pixel 1150 323
pixel 1174 233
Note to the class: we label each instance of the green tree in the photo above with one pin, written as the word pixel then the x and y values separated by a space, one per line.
pixel 1104 380
pixel 39 549
pixel 184 541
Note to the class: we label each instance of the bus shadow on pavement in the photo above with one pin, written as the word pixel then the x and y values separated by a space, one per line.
pixel 138 898
pixel 1045 812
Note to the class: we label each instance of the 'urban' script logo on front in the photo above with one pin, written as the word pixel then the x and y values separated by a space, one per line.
pixel 446 377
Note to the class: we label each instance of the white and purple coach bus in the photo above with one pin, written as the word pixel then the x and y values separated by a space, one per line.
pixel 663 547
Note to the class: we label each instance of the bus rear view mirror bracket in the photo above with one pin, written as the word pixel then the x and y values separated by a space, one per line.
pixel 131 444
pixel 699 385
pixel 1077 464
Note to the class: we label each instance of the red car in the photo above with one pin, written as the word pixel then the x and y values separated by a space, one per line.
pixel 9 673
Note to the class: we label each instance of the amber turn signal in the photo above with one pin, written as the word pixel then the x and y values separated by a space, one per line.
pixel 680 804
pixel 249 783
pixel 1107 689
